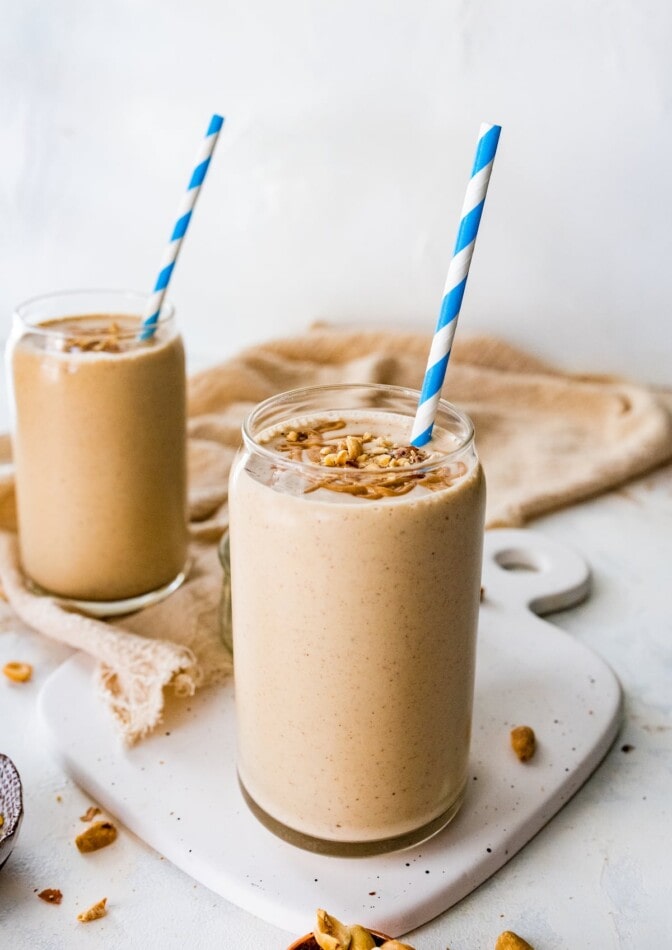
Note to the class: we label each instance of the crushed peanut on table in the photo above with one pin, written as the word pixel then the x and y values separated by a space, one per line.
pixel 96 836
pixel 95 912
pixel 51 895
pixel 511 941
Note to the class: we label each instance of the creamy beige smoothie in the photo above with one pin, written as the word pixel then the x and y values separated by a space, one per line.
pixel 99 447
pixel 356 565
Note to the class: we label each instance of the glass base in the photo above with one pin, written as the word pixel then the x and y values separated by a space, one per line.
pixel 113 608
pixel 353 849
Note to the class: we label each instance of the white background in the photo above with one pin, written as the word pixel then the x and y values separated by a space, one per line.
pixel 336 188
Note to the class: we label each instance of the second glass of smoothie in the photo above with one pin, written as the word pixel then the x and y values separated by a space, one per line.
pixel 99 418
pixel 355 573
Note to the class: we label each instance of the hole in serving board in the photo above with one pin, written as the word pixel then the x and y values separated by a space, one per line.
pixel 517 559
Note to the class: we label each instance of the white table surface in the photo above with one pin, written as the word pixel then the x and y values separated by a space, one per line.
pixel 597 876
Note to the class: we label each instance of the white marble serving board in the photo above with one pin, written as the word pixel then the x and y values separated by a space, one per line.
pixel 177 790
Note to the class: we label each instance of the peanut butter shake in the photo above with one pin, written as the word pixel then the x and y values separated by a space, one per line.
pixel 99 446
pixel 356 563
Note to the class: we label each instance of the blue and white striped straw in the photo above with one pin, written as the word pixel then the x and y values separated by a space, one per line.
pixel 183 218
pixel 456 281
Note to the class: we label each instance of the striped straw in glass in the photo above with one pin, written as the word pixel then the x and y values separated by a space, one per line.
pixel 183 218
pixel 456 281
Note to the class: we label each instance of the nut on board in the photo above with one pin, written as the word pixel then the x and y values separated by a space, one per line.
pixel 96 836
pixel 523 742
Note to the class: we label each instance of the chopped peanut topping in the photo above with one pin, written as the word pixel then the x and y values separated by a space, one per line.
pixel 393 467
pixel 106 340
pixel 354 447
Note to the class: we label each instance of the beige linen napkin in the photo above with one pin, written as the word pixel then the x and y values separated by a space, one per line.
pixel 546 439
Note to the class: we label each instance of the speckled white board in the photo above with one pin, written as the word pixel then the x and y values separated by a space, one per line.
pixel 177 790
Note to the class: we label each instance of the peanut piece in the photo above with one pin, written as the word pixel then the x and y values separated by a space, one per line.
pixel 17 672
pixel 511 941
pixel 361 939
pixel 353 446
pixel 96 836
pixel 330 933
pixel 523 742
pixel 94 912
pixel 51 895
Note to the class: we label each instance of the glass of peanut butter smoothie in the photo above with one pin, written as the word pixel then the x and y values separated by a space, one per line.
pixel 99 448
pixel 355 573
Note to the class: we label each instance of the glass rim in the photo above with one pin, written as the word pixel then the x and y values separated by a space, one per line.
pixel 441 458
pixel 21 311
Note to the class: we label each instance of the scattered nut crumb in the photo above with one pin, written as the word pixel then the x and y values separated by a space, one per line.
pixel 51 895
pixel 510 941
pixel 94 912
pixel 17 672
pixel 96 836
pixel 90 814
pixel 523 742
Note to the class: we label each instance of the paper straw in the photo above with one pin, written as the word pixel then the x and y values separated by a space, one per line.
pixel 456 281
pixel 183 218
